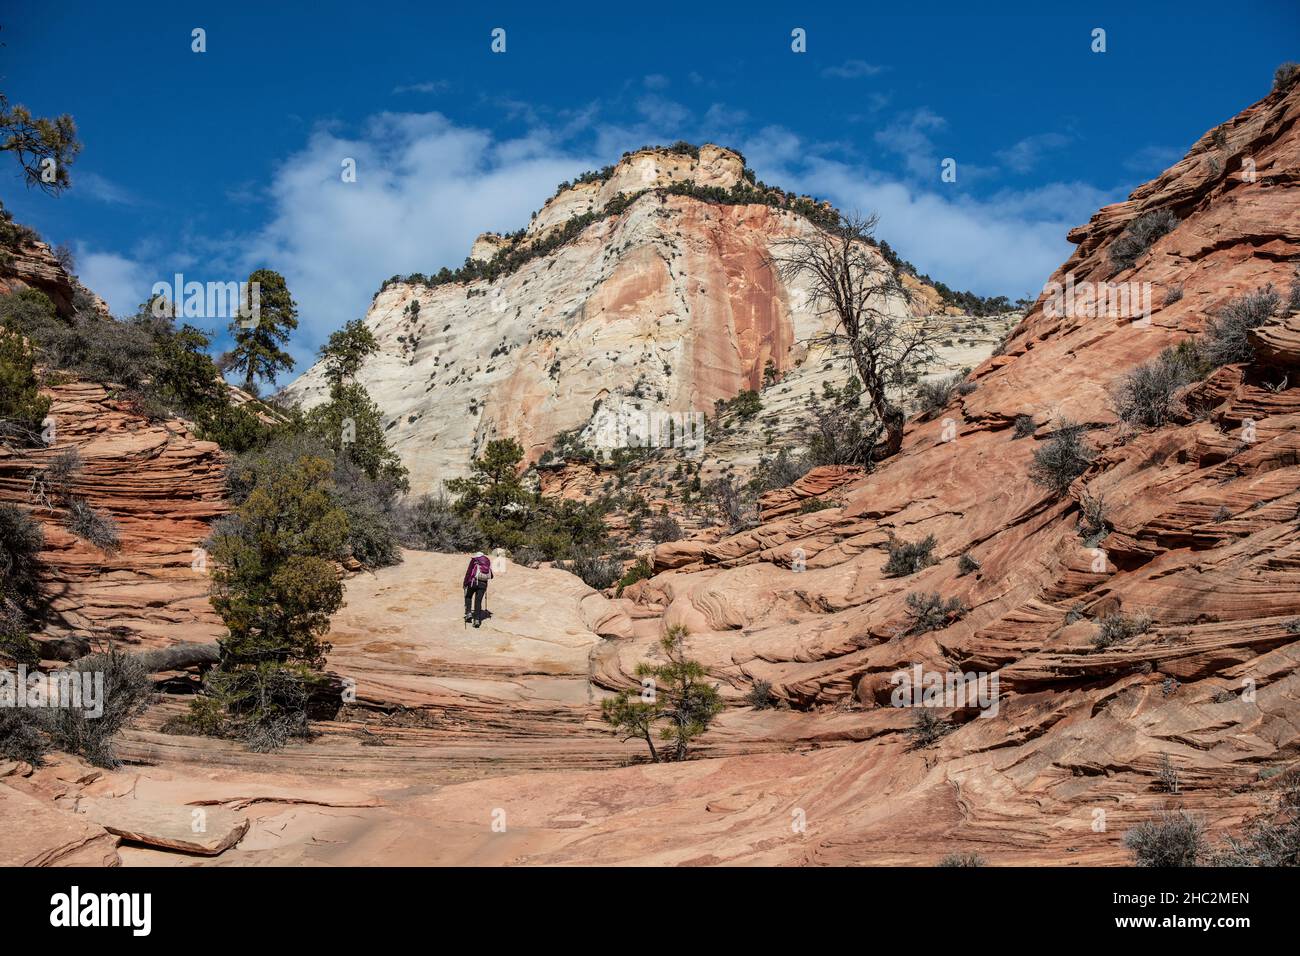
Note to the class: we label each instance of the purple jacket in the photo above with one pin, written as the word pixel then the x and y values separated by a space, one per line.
pixel 475 563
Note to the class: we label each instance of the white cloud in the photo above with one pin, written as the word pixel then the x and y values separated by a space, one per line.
pixel 852 70
pixel 1026 154
pixel 428 86
pixel 121 282
pixel 102 189
pixel 1006 244
pixel 909 138
pixel 425 188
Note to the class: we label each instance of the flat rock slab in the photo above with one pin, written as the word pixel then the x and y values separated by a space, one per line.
pixel 207 831
pixel 34 832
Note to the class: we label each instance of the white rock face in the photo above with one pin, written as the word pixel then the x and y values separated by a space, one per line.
pixel 673 303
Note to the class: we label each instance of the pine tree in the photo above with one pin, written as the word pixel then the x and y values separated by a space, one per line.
pixel 681 701
pixel 257 352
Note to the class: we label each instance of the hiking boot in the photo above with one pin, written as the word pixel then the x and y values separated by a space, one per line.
pixel 477 623
pixel 468 619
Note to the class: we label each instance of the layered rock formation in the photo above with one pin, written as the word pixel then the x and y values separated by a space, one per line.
pixel 159 485
pixel 31 264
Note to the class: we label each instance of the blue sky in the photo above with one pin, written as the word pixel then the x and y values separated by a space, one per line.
pixel 213 164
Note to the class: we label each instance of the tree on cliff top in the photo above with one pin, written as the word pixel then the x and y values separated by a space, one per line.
pixel 853 285
pixel 45 148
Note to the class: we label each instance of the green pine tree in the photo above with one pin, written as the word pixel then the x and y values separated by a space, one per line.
pixel 257 352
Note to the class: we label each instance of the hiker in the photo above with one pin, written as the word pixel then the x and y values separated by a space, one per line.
pixel 477 576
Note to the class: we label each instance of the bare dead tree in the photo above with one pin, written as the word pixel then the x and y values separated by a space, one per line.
pixel 852 283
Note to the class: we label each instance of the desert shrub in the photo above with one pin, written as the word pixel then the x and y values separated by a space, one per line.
pixel 165 369
pixel 1146 395
pixel 1227 338
pixel 664 527
pixel 430 523
pixel 529 557
pixel 16 644
pixel 127 691
pixel 926 728
pixel 1093 525
pixel 1174 294
pixel 811 505
pixel 264 706
pixel 1139 236
pixel 908 557
pixel 744 406
pixel 596 570
pixel 640 571
pixel 963 859
pixel 1285 75
pixel 1024 426
pixel 967 565
pixel 836 429
pixel 930 612
pixel 684 704
pixel 1172 840
pixel 933 396
pixel 91 525
pixel 22 735
pixel 87 343
pixel 62 471
pixel 1061 459
pixel 1118 628
pixel 1167 776
pixel 21 542
pixel 1273 839
pixel 760 696
pixel 735 504
pixel 22 407
pixel 21 598
pixel 372 512
pixel 779 471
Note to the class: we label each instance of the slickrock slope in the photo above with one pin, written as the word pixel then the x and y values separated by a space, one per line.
pixel 669 304
pixel 161 486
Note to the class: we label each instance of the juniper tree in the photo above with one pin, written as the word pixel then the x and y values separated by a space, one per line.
pixel 853 285
pixel 275 587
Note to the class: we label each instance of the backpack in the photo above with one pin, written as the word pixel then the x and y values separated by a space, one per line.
pixel 482 572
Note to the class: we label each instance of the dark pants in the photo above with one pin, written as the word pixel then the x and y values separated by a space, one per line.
pixel 476 593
